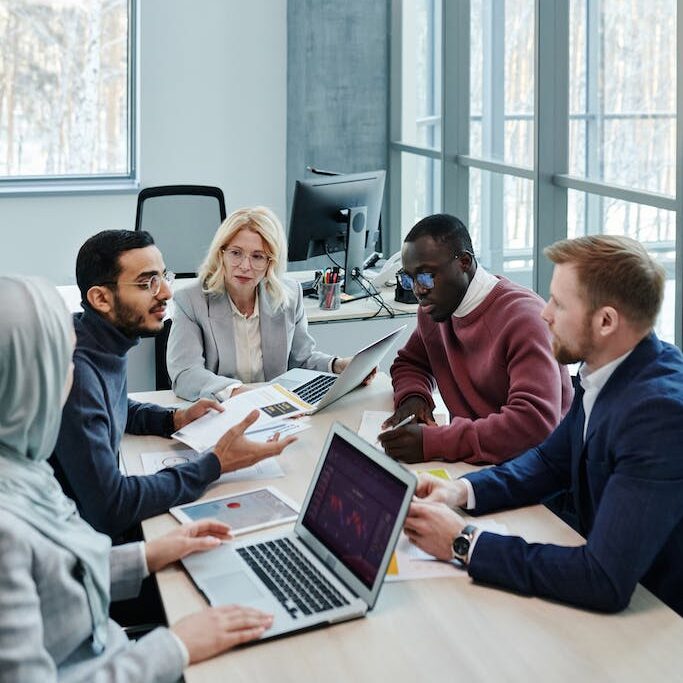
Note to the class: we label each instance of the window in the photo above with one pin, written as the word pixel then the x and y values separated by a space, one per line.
pixel 622 126
pixel 502 131
pixel 622 94
pixel 66 91
pixel 420 120
pixel 556 119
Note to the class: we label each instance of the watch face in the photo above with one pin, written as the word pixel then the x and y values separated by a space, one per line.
pixel 461 546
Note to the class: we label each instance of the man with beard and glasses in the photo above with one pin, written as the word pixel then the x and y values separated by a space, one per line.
pixel 480 340
pixel 618 453
pixel 125 288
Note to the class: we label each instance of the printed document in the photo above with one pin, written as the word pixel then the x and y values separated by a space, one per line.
pixel 274 403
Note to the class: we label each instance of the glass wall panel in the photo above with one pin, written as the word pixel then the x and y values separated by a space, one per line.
pixel 501 224
pixel 622 92
pixel 502 80
pixel 420 189
pixel 421 73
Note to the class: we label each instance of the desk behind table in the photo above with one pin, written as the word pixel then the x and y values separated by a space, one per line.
pixel 341 333
pixel 434 630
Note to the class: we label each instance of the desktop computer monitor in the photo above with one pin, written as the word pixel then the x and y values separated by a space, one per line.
pixel 333 214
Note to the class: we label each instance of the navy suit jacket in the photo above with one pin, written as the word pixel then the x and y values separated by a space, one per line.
pixel 626 480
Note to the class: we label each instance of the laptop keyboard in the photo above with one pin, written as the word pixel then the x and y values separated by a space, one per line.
pixel 315 389
pixel 298 586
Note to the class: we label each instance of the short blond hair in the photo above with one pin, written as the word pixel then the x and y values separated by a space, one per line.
pixel 264 223
pixel 615 271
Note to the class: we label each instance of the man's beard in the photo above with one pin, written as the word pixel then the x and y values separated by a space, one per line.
pixel 130 322
pixel 566 356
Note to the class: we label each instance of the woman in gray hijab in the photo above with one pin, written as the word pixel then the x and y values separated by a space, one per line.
pixel 56 573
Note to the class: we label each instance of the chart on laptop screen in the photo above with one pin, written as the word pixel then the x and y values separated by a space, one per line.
pixel 353 509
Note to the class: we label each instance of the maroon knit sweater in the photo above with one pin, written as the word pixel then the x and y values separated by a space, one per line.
pixel 496 373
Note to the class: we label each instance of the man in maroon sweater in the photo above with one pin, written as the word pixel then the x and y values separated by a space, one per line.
pixel 480 339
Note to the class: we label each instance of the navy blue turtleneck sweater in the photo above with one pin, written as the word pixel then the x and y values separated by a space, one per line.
pixel 94 418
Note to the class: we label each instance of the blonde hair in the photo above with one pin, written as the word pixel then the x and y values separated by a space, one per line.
pixel 615 271
pixel 264 223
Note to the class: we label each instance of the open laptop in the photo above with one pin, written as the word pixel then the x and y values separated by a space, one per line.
pixel 331 566
pixel 322 388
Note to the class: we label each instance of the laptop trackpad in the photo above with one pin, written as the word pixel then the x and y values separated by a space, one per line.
pixel 231 589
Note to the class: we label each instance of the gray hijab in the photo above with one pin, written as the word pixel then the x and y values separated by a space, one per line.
pixel 36 346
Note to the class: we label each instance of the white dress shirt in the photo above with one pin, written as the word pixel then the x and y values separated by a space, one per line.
pixel 593 382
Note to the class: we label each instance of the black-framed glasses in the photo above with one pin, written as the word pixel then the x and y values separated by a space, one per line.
pixel 235 256
pixel 424 280
pixel 153 284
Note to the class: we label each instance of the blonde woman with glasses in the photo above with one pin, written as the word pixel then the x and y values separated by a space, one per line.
pixel 243 321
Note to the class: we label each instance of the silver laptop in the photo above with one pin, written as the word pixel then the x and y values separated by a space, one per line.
pixel 322 388
pixel 330 568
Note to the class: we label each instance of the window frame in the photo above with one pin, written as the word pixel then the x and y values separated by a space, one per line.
pixel 549 174
pixel 96 183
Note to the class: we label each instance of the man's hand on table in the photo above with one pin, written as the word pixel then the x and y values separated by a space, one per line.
pixel 235 451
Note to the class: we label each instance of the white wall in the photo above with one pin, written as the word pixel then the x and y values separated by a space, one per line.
pixel 213 110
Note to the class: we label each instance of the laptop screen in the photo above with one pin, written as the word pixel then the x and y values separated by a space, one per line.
pixel 353 508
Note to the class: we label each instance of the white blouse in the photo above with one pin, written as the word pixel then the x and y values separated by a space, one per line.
pixel 248 354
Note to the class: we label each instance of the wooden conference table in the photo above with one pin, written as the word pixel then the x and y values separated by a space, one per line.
pixel 446 629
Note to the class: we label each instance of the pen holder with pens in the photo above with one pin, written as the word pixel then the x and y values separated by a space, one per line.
pixel 329 295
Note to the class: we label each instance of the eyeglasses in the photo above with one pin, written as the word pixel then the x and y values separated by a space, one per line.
pixel 423 280
pixel 234 256
pixel 153 284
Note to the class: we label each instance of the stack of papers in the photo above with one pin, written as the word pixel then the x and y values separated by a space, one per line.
pixel 276 407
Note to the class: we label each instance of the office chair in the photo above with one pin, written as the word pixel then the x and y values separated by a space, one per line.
pixel 183 220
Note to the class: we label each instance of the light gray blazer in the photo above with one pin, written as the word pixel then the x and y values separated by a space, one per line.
pixel 200 356
pixel 45 621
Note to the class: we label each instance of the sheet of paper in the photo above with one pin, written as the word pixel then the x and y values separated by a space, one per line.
pixel 281 427
pixel 266 469
pixel 404 567
pixel 371 424
pixel 273 402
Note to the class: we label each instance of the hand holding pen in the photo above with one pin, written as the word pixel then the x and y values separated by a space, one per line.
pixel 402 423
pixel 403 441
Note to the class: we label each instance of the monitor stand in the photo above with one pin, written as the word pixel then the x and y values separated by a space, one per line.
pixel 356 220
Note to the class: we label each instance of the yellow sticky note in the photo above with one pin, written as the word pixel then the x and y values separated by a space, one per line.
pixel 392 569
pixel 437 472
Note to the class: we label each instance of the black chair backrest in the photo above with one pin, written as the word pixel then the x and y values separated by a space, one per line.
pixel 183 220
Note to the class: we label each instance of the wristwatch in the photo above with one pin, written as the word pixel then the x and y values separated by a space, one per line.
pixel 169 427
pixel 462 543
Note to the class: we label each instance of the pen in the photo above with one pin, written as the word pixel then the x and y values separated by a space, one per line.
pixel 402 423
